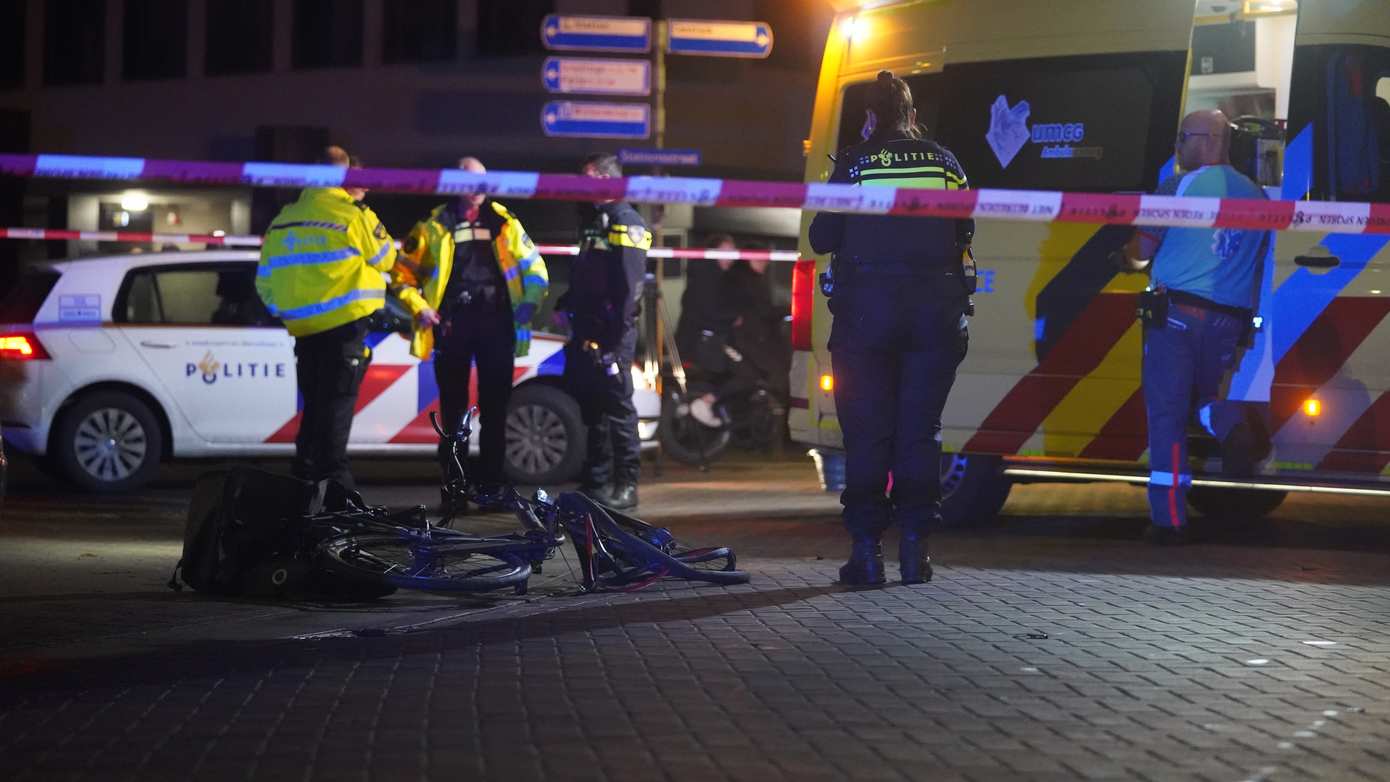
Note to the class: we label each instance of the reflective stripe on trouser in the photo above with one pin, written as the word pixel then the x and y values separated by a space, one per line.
pixel 1185 363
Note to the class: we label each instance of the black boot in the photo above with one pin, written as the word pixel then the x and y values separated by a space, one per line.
pixel 914 562
pixel 865 565
pixel 595 492
pixel 624 497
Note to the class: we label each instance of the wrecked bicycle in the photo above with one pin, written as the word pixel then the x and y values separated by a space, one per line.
pixel 365 550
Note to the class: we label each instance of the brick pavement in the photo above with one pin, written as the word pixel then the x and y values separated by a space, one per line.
pixel 1049 648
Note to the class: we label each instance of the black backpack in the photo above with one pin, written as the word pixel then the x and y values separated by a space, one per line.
pixel 239 520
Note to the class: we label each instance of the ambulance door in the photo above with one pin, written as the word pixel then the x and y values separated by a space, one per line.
pixel 1328 404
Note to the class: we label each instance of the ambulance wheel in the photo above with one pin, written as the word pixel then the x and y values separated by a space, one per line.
pixel 545 434
pixel 1234 504
pixel 973 489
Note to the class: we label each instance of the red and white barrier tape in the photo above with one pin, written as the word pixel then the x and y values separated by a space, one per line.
pixel 224 240
pixel 1025 205
pixel 53 234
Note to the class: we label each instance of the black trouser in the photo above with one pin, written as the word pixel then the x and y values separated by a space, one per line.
pixel 605 402
pixel 329 366
pixel 480 333
pixel 894 349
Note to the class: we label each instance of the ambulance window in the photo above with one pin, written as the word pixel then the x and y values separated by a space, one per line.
pixel 1241 63
pixel 1099 123
pixel 1357 118
pixel 924 88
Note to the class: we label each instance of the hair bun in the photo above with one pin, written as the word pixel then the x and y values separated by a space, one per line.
pixel 885 77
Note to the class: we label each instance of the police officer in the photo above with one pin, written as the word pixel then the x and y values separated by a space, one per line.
pixel 321 274
pixel 1199 306
pixel 482 280
pixel 601 306
pixel 900 300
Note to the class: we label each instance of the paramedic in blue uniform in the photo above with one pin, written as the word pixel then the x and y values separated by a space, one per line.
pixel 1203 291
pixel 900 302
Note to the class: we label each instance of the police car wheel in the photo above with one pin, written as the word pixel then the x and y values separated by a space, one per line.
pixel 545 436
pixel 1234 504
pixel 973 489
pixel 108 441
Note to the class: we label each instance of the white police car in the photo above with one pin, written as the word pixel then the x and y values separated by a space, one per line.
pixel 110 365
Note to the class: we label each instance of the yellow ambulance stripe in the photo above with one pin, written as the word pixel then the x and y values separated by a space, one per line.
pixel 1074 422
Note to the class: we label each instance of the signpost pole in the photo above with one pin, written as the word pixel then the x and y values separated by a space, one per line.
pixel 659 120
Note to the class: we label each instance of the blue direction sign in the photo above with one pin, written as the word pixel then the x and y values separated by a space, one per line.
pixel 597 76
pixel 632 34
pixel 596 120
pixel 659 157
pixel 716 38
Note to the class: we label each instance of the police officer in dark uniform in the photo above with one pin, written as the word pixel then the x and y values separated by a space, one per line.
pixel 900 296
pixel 601 305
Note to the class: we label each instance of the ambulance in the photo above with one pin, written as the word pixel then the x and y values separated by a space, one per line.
pixel 1086 96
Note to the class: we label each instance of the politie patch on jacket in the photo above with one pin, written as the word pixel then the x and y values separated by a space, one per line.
pixel 635 233
pixel 379 232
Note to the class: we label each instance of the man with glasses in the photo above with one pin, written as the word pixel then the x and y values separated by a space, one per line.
pixel 1197 311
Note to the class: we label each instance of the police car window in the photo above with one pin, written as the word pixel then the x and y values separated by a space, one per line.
pixel 856 101
pixel 208 295
pixel 1100 123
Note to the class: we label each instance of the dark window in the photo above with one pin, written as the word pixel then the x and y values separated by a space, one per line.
pixel 223 295
pixel 428 32
pixel 508 29
pixel 74 41
pixel 327 33
pixel 1343 91
pixel 1223 48
pixel 23 301
pixel 155 39
pixel 1096 123
pixel 12 44
pixel 239 37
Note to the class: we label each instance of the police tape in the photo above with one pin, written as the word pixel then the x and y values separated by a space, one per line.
pixel 227 240
pixel 1018 205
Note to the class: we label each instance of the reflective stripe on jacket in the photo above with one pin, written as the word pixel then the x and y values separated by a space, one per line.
pixel 428 259
pixel 322 262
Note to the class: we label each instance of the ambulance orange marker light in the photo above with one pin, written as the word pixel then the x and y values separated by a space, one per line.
pixel 1312 408
pixel 827 382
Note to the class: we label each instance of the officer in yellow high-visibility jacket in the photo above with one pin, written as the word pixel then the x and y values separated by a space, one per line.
pixel 321 273
pixel 481 280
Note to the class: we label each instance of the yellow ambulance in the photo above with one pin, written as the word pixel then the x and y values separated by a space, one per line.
pixel 1086 96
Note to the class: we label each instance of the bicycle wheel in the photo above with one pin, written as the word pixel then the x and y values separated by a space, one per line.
pixel 630 542
pixel 445 566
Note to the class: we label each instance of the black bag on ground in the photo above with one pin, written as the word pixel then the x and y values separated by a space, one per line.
pixel 239 520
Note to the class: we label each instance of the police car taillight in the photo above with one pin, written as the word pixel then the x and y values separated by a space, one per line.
pixel 21 347
pixel 803 303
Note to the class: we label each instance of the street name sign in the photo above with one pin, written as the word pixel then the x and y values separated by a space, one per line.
pixel 659 157
pixel 631 34
pixel 597 76
pixel 716 38
pixel 596 120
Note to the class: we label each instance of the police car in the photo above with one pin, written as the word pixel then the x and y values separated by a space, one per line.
pixel 110 365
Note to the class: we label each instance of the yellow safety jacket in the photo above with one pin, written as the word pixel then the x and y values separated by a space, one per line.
pixel 322 262
pixel 427 259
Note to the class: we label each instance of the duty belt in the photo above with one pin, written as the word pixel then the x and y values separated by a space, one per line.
pixel 1242 314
